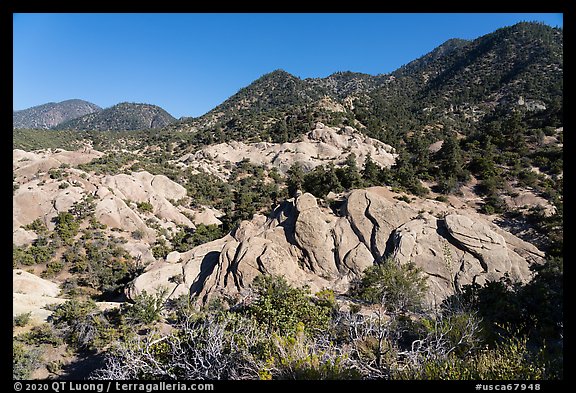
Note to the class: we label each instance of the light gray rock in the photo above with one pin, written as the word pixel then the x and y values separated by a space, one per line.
pixel 113 212
pixel 373 218
pixel 420 242
pixel 31 294
pixel 352 256
pixel 313 235
pixel 22 237
pixel 302 240
pixel 34 304
pixel 320 144
pixel 155 189
pixel 481 241
pixel 306 201
pixel 28 283
pixel 159 277
pixel 496 256
pixel 307 243
pixel 208 216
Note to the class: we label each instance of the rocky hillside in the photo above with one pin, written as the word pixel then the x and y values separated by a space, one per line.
pixel 122 117
pixel 116 240
pixel 278 107
pixel 319 146
pixel 470 81
pixel 52 114
pixel 302 239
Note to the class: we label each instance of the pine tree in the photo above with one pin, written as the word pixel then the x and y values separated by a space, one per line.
pixel 350 174
pixel 371 172
pixel 295 179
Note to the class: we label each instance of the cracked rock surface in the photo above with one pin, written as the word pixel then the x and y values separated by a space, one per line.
pixel 310 245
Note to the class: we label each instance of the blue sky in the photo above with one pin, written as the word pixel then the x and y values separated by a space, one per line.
pixel 189 63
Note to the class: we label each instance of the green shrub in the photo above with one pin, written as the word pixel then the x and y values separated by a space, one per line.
pixel 73 310
pixel 66 225
pixel 83 324
pixel 280 307
pixel 403 198
pixel 37 226
pixel 22 319
pixel 55 174
pixel 187 238
pixel 40 250
pixel 455 330
pixel 299 358
pixel 84 208
pixel 53 268
pixel 510 360
pixel 54 367
pixel 160 249
pixel 147 308
pixel 137 234
pixel 106 266
pixel 41 334
pixel 22 256
pixel 24 360
pixel 395 286
pixel 145 207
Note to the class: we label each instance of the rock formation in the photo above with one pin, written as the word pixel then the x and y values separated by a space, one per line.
pixel 303 239
pixel 310 245
pixel 321 145
pixel 34 295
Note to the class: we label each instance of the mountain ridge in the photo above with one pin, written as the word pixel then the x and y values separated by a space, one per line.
pixel 460 79
pixel 51 114
pixel 122 117
pixel 464 81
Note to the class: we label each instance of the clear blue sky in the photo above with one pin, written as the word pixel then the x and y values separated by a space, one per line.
pixel 189 63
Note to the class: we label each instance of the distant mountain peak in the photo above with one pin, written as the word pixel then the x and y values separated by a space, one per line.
pixel 52 114
pixel 125 116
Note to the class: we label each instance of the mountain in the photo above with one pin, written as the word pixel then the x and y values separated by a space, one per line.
pixel 447 48
pixel 279 106
pixel 52 114
pixel 463 82
pixel 466 83
pixel 122 117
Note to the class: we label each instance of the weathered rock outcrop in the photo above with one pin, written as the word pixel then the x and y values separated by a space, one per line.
pixel 27 283
pixel 154 189
pixel 27 164
pixel 315 148
pixel 309 245
pixel 42 196
pixel 32 294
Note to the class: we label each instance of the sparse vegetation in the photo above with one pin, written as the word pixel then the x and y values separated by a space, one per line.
pixel 25 359
pixel 281 308
pixel 22 319
pixel 145 207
